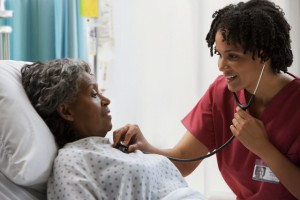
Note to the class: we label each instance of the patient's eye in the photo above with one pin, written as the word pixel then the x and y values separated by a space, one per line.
pixel 94 94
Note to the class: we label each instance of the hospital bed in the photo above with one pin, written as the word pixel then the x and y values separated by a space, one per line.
pixel 27 147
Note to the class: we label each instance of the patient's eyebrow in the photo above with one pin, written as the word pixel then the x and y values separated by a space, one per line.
pixel 92 85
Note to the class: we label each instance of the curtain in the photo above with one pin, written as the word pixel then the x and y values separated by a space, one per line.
pixel 46 29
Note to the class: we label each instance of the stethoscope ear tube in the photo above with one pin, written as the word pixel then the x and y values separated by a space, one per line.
pixel 244 107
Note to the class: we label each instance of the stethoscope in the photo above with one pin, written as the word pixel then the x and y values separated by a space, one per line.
pixel 244 107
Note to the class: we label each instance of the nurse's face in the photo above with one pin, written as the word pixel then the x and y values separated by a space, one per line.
pixel 259 172
pixel 239 69
pixel 90 110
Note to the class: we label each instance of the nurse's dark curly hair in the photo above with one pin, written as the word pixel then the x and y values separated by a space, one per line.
pixel 49 84
pixel 259 27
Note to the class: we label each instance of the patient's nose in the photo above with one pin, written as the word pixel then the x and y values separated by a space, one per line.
pixel 104 100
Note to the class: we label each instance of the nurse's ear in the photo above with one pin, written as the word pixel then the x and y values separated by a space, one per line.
pixel 263 58
pixel 64 110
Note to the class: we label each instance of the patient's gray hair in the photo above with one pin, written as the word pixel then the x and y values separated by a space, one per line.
pixel 48 85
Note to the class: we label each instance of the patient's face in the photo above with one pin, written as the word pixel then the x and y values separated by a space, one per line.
pixel 90 110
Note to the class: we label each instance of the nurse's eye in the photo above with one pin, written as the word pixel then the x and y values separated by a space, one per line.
pixel 217 53
pixel 232 56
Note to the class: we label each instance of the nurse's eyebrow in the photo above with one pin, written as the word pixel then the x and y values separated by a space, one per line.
pixel 237 50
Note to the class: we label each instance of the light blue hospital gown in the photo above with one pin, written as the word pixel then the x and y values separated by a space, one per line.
pixel 91 169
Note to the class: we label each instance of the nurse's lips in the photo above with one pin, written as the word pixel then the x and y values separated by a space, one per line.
pixel 230 77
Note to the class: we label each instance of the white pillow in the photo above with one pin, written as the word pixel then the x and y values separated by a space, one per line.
pixel 27 147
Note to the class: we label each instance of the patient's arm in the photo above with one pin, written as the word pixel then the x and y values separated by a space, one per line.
pixel 70 180
pixel 92 169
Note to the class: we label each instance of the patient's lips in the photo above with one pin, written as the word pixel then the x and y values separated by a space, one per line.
pixel 107 112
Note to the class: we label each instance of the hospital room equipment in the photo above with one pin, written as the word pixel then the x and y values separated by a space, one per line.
pixel 4 32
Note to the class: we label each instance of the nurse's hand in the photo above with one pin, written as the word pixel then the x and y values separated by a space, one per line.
pixel 132 137
pixel 249 131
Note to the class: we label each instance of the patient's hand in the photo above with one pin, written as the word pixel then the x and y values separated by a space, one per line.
pixel 132 137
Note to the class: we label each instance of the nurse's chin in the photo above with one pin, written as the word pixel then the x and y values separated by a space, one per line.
pixel 233 89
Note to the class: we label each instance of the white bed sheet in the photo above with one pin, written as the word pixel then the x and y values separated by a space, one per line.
pixel 11 191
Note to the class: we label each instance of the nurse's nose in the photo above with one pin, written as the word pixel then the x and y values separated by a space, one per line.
pixel 222 64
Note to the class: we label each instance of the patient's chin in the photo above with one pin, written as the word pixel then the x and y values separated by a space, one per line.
pixel 109 127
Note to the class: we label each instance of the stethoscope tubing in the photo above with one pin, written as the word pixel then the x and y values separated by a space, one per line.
pixel 244 107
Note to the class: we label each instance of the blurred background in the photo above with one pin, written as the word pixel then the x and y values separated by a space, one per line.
pixel 150 58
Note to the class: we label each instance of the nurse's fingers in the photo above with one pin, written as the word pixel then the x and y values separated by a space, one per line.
pixel 119 134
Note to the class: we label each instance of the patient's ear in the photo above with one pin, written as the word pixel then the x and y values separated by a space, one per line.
pixel 64 111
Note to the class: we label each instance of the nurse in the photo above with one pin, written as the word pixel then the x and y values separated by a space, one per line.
pixel 252 42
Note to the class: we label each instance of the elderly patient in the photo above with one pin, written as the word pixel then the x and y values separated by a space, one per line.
pixel 66 96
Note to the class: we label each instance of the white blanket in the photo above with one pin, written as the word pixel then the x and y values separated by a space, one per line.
pixel 11 191
pixel 91 169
